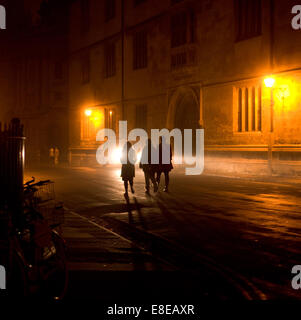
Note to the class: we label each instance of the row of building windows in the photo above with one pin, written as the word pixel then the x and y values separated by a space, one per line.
pixel 181 35
pixel 249 114
pixel 139 57
pixel 248 20
pixel 183 27
pixel 110 10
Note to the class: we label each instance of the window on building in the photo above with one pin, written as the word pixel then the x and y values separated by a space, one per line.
pixel 137 2
pixel 248 19
pixel 85 65
pixel 86 128
pixel 182 28
pixel 110 60
pixel 178 29
pixel 109 10
pixel 246 109
pixel 140 50
pixel 259 110
pixel 239 125
pixel 249 109
pixel 141 117
pixel 85 16
pixel 91 124
pixel 110 119
pixel 253 109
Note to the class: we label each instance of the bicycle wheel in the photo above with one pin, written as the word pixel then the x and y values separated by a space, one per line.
pixel 54 271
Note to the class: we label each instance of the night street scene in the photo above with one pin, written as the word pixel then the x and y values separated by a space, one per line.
pixel 150 153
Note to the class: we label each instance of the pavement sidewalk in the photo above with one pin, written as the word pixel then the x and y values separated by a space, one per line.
pixel 93 247
pixel 109 268
pixel 101 262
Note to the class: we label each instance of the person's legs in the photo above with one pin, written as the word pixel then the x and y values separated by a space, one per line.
pixel 132 185
pixel 126 186
pixel 152 177
pixel 158 177
pixel 146 176
pixel 166 174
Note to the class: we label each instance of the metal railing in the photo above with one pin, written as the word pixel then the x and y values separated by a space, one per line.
pixel 12 153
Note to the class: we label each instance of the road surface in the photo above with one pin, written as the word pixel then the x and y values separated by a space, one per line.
pixel 239 238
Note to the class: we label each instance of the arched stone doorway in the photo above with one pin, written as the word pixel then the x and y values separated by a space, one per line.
pixel 187 114
pixel 184 111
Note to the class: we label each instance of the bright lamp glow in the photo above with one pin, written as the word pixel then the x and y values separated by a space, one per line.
pixel 117 153
pixel 88 112
pixel 269 82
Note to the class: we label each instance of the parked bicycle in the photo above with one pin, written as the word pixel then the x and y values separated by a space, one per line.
pixel 37 265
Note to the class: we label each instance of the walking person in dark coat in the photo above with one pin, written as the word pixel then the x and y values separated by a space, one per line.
pixel 147 166
pixel 128 159
pixel 165 162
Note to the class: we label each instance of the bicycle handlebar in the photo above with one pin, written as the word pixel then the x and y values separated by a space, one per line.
pixel 30 184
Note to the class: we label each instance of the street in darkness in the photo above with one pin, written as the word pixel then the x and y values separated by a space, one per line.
pixel 240 233
pixel 150 153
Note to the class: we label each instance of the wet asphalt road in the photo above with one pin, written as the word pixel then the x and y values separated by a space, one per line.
pixel 246 230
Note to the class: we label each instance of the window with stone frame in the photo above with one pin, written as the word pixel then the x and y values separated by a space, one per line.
pixel 248 106
pixel 85 16
pixel 182 28
pixel 110 10
pixel 110 60
pixel 140 50
pixel 91 124
pixel 247 19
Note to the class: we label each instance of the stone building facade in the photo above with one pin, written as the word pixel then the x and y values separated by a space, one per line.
pixel 187 64
pixel 159 64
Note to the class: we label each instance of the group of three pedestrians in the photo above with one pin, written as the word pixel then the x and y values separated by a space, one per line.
pixel 152 171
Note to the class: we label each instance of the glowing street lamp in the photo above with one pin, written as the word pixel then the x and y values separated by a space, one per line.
pixel 269 82
pixel 88 112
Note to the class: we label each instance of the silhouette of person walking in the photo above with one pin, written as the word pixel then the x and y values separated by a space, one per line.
pixel 128 160
pixel 165 162
pixel 147 166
